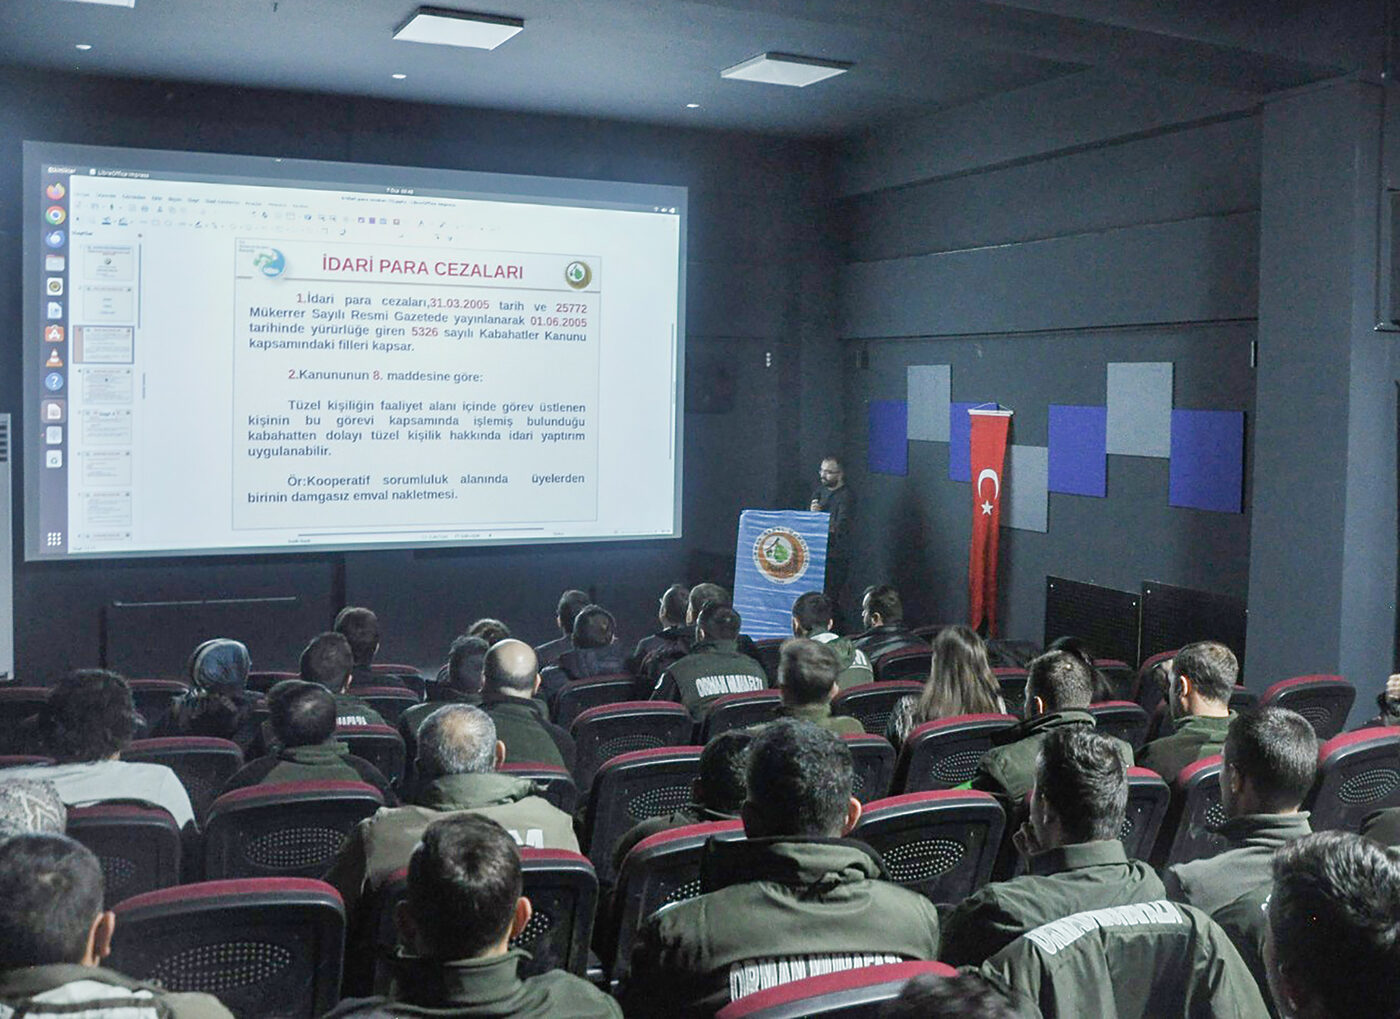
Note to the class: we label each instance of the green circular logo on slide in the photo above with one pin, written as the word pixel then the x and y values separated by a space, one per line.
pixel 578 275
pixel 781 555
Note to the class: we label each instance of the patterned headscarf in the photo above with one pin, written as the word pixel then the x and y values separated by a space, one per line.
pixel 220 665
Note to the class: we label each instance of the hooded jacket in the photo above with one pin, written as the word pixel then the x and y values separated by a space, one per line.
pixel 771 911
pixel 854 667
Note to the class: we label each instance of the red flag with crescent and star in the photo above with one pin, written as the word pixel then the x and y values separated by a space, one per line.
pixel 988 454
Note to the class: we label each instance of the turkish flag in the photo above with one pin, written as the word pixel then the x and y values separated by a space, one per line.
pixel 989 428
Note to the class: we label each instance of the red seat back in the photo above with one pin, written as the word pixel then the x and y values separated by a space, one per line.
pixel 138 846
pixel 631 788
pixel 912 663
pixel 153 696
pixel 389 701
pixel 1012 681
pixel 871 703
pixel 579 695
pixel 1193 831
pixel 874 764
pixel 1357 773
pixel 1123 719
pixel 556 784
pixel 1120 674
pixel 738 711
pixel 944 753
pixel 1149 797
pixel 850 993
pixel 284 829
pixel 204 764
pixel 262 682
pixel 941 843
pixel 1323 700
pixel 265 947
pixel 604 732
pixel 381 745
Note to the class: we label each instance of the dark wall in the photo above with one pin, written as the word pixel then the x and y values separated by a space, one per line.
pixel 1068 232
pixel 759 256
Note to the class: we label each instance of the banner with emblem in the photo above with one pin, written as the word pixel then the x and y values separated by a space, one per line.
pixel 782 554
pixel 989 427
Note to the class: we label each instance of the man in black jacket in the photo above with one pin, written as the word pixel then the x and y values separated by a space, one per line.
pixel 670 613
pixel 508 696
pixel 883 614
pixel 835 498
pixel 596 652
pixel 571 603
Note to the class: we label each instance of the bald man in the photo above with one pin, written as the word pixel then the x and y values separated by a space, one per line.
pixel 511 678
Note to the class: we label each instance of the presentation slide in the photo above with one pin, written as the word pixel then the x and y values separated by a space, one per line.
pixel 231 354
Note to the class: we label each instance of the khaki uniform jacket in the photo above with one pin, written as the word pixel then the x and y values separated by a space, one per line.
pixel 1383 826
pixel 1233 886
pixel 64 989
pixel 523 726
pixel 483 987
pixel 1195 737
pixel 855 666
pixel 1008 770
pixel 330 761
pixel 381 844
pixel 690 814
pixel 1155 959
pixel 1061 881
pixel 712 669
pixel 819 715
pixel 772 911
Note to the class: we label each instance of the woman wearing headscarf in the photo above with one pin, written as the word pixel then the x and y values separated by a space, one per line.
pixel 220 703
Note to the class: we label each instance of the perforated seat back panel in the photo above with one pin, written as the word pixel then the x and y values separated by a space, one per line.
pixel 920 860
pixel 292 849
pixel 654 801
pixel 220 968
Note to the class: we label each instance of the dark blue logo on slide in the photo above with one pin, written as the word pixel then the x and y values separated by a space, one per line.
pixel 270 262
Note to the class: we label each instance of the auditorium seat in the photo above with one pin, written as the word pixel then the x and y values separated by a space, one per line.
pixel 557 785
pixel 1120 674
pixel 1149 798
pixel 767 651
pixel 17 705
pixel 944 753
pixel 283 829
pixel 204 764
pixel 137 845
pixel 1323 700
pixel 1012 681
pixel 906 663
pixel 264 947
pixel 629 789
pixel 941 844
pixel 739 711
pixel 608 730
pixel 871 703
pixel 562 888
pixel 1149 692
pixel 389 701
pixel 153 697
pixel 661 869
pixel 874 764
pixel 381 745
pixel 1123 719
pixel 262 682
pixel 1191 831
pixel 408 675
pixel 1357 773
pixel 849 993
pixel 581 694
pixel 930 630
pixel 23 760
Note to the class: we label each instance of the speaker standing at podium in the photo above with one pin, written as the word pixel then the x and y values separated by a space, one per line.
pixel 835 498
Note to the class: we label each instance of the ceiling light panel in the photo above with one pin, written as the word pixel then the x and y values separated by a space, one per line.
pixel 786 69
pixel 440 26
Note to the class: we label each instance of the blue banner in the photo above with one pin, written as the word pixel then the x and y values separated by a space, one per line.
pixel 782 554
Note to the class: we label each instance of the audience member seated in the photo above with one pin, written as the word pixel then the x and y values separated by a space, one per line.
pixel 882 613
pixel 965 996
pixel 807 674
pixel 445 679
pixel 1333 944
pixel 1383 827
pixel 327 661
pixel 791 900
pixel 717 794
pixel 1388 700
pixel 1058 688
pixel 29 807
pixel 490 630
pixel 302 718
pixel 463 906
pixel 670 613
pixel 813 617
pixel 511 680
pixel 960 682
pixel 571 603
pixel 1270 763
pixel 86 723
pixel 714 667
pixel 1202 678
pixel 662 657
pixel 54 935
pixel 596 652
pixel 456 770
pixel 219 703
pixel 1074 860
pixel 360 627
pixel 1103 689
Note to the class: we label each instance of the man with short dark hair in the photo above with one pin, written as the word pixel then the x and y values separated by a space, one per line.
pixel 360 628
pixel 511 680
pixel 714 667
pixel 716 794
pixel 595 652
pixel 807 674
pixel 328 661
pixel 1270 761
pixel 1333 934
pixel 1074 860
pixel 88 720
pixel 1203 676
pixel 835 498
pixel 882 612
pixel 302 718
pixel 670 613
pixel 458 754
pixel 794 898
pixel 459 681
pixel 813 616
pixel 463 906
pixel 1058 689
pixel 54 935
pixel 571 603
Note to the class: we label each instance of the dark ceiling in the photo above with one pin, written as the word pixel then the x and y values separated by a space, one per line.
pixel 644 60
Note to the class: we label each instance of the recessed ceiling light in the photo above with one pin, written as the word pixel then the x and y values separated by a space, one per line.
pixel 443 27
pixel 398 77
pixel 786 69
pixel 82 46
pixel 692 106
